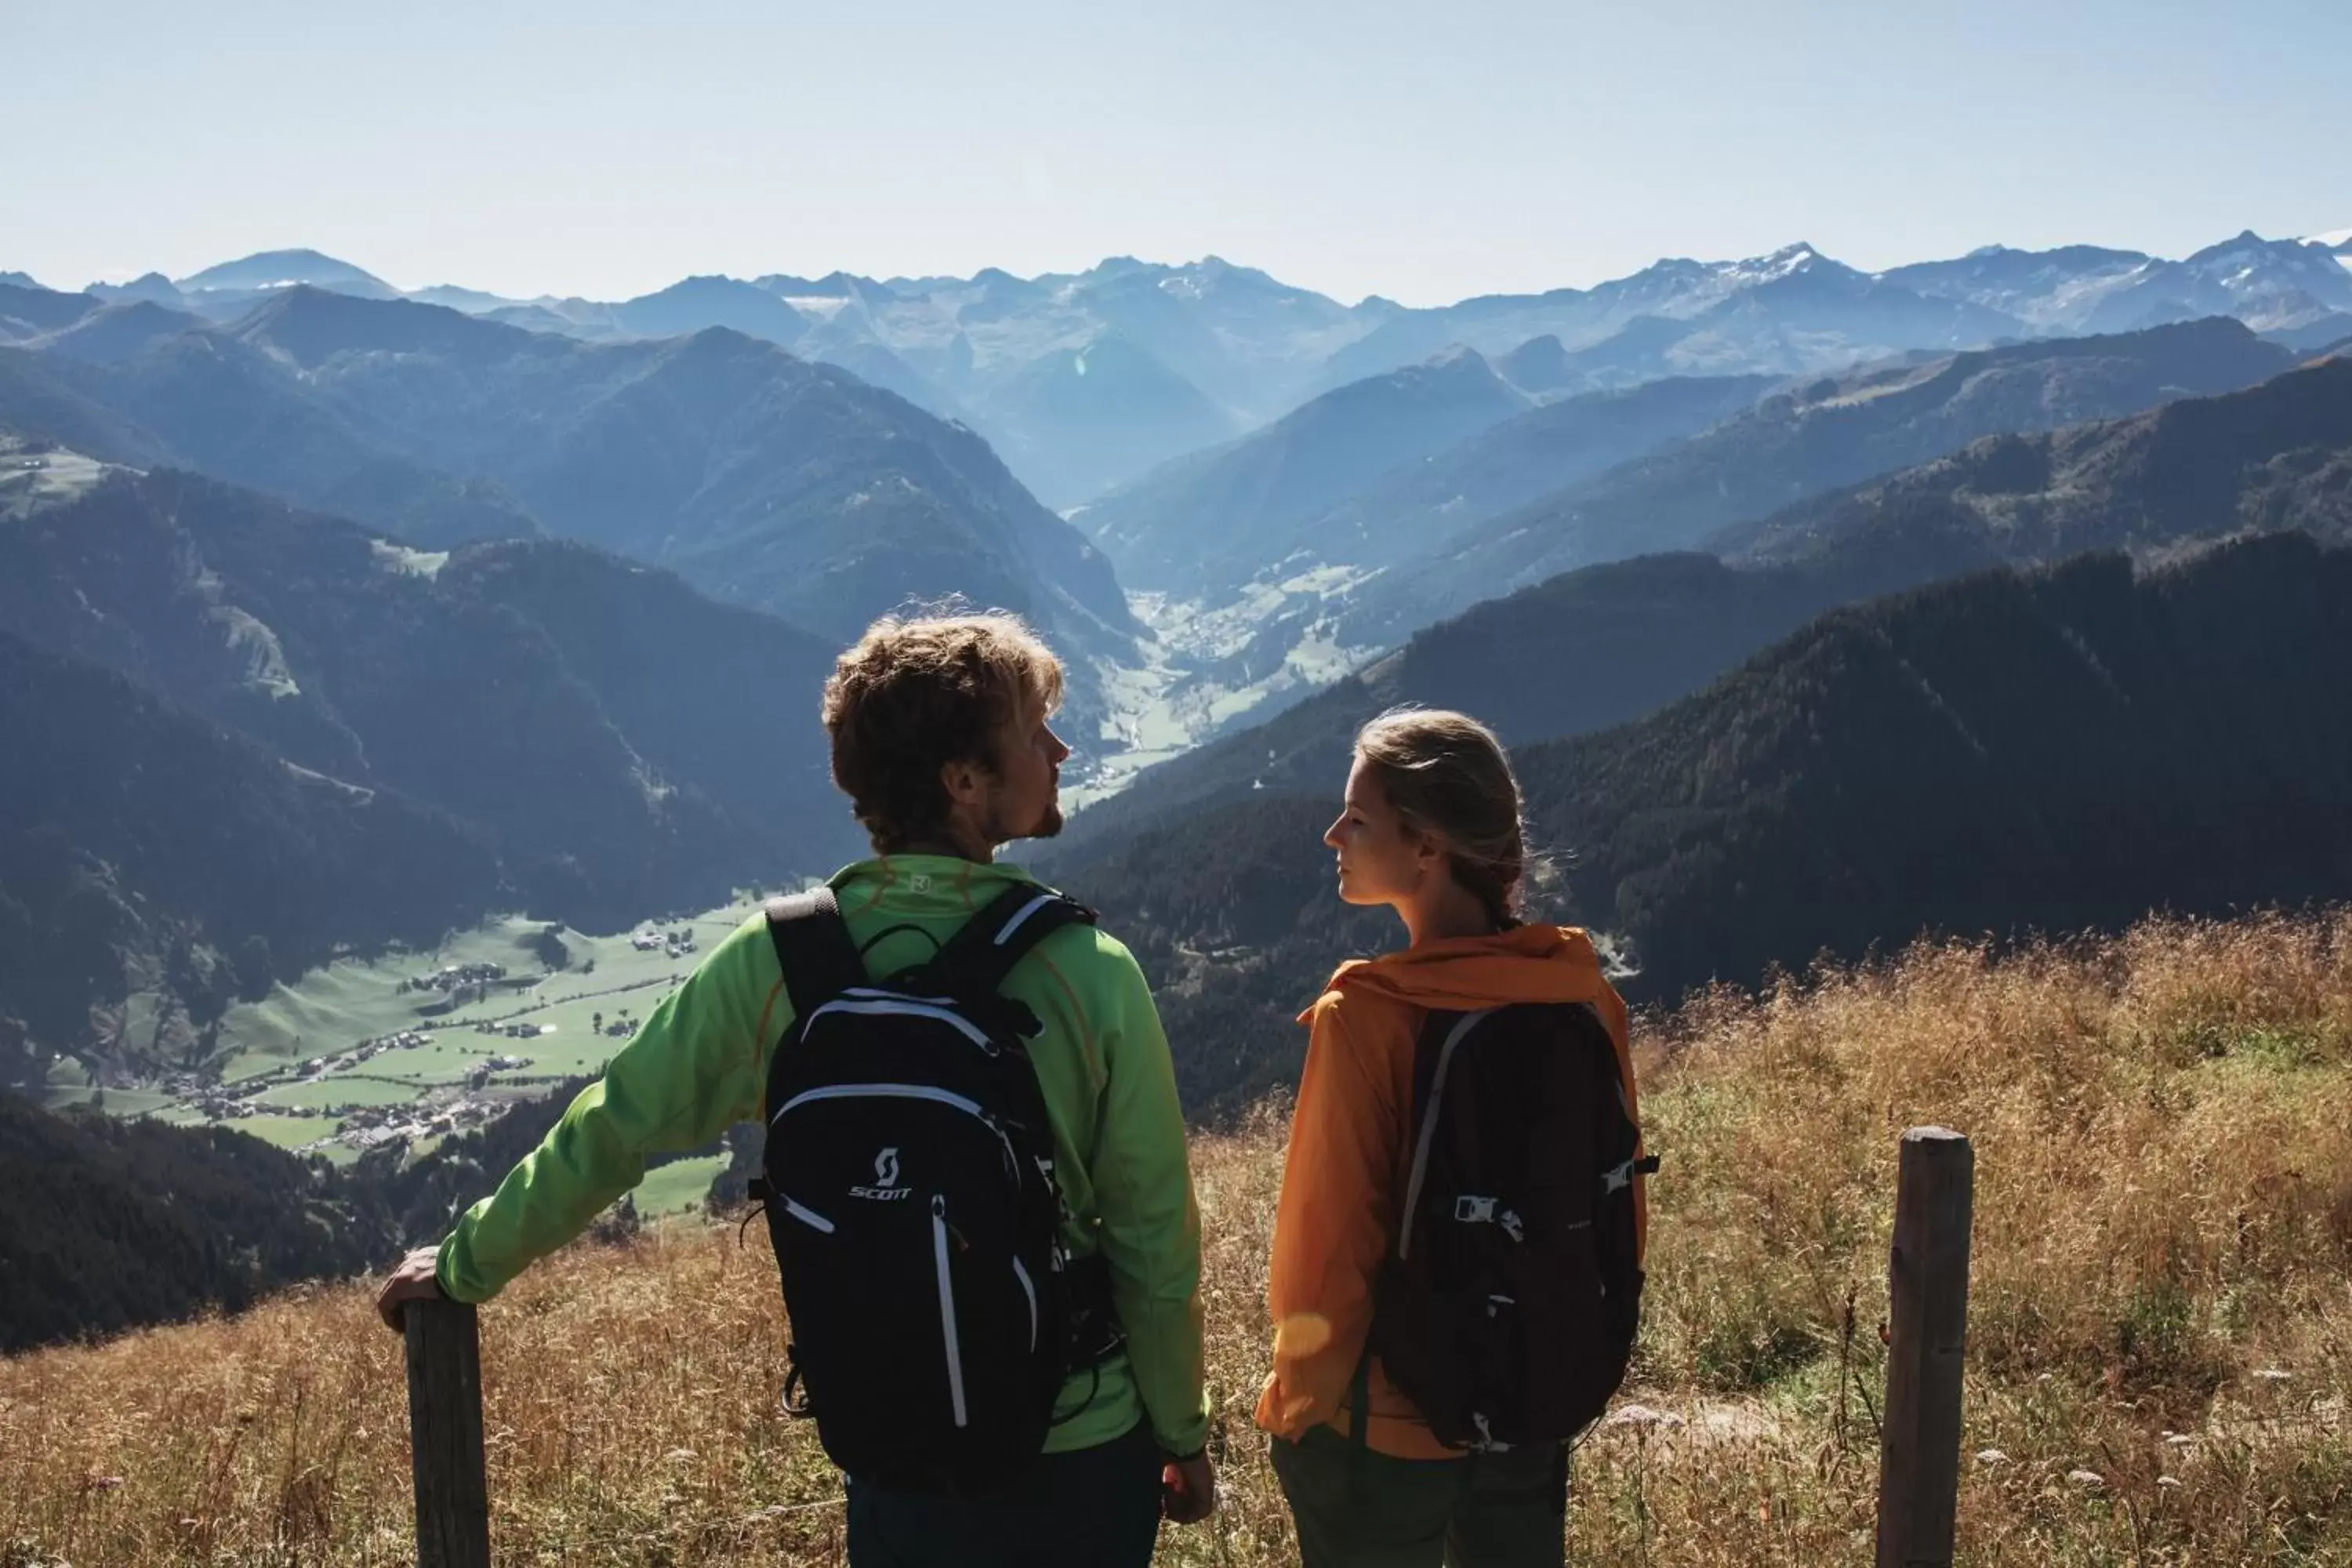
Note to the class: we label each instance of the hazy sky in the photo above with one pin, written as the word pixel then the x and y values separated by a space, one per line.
pixel 1424 152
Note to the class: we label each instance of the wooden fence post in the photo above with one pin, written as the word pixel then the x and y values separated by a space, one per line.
pixel 1927 1282
pixel 445 1434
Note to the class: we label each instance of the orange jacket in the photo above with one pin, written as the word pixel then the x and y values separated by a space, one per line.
pixel 1349 1141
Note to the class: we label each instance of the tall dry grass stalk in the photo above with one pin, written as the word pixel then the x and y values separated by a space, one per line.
pixel 2160 1312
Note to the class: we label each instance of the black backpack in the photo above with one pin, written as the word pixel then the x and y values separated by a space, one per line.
pixel 910 1189
pixel 1508 1308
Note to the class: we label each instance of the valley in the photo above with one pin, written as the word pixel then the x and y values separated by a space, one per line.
pixel 1206 671
pixel 406 1048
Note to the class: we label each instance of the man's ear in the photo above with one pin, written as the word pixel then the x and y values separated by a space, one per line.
pixel 965 783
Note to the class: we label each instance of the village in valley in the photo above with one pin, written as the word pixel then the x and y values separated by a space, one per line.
pixel 408 1048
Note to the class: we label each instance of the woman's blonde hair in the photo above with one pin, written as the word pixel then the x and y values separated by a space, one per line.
pixel 1446 776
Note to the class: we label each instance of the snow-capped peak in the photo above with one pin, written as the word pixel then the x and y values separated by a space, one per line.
pixel 2334 239
pixel 1787 261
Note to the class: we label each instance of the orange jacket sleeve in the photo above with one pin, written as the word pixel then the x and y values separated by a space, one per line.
pixel 1329 1240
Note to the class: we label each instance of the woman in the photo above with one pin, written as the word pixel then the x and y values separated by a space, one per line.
pixel 1431 830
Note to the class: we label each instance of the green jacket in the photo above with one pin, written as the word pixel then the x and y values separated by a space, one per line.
pixel 701 1063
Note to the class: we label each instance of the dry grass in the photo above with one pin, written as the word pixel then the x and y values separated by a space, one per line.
pixel 2163 1128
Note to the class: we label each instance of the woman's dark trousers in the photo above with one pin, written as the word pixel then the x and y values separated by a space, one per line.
pixel 1355 1508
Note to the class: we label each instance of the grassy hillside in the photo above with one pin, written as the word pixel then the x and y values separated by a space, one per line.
pixel 2163 1125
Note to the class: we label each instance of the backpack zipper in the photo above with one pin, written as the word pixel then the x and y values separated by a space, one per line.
pixel 947 1307
pixel 1021 1273
pixel 1429 1129
pixel 887 1006
pixel 970 1108
pixel 808 1217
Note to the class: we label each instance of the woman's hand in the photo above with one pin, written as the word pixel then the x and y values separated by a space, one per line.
pixel 415 1279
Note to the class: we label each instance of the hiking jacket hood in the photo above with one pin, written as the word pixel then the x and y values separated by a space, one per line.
pixel 699 1064
pixel 1350 1139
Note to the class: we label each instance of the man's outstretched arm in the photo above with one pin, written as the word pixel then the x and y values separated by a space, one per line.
pixel 695 1068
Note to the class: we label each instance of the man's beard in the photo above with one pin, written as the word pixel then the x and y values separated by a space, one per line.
pixel 1046 825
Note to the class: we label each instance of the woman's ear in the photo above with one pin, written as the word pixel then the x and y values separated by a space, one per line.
pixel 1428 851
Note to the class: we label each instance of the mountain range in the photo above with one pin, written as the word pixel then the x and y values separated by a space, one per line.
pixel 1084 380
pixel 1613 643
pixel 1593 477
pixel 501 481
pixel 767 481
pixel 1811 439
pixel 1361 505
pixel 2269 284
pixel 1791 312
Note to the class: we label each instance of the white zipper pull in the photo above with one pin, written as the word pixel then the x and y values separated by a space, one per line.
pixel 947 1309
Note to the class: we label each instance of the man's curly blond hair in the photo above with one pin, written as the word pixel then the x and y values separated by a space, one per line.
pixel 917 693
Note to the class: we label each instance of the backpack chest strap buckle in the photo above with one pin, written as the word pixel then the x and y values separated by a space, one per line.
pixel 1469 1209
pixel 1619 1177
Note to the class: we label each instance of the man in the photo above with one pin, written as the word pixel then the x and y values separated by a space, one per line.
pixel 940 739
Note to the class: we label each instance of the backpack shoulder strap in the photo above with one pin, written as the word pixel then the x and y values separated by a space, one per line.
pixel 977 959
pixel 814 946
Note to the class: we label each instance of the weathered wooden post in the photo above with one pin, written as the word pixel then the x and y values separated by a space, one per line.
pixel 445 1434
pixel 1927 1282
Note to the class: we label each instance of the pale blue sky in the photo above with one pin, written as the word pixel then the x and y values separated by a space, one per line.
pixel 1424 152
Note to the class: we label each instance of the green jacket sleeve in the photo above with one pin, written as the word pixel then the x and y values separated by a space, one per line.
pixel 695 1067
pixel 1150 1233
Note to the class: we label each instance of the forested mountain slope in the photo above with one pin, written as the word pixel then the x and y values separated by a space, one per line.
pixel 2274 455
pixel 1211 517
pixel 2007 751
pixel 1837 432
pixel 1606 644
pixel 110 1224
pixel 143 847
pixel 550 728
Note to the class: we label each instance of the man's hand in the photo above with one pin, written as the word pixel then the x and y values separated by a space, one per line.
pixel 414 1280
pixel 1187 1489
